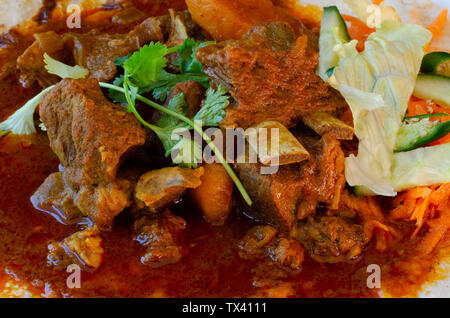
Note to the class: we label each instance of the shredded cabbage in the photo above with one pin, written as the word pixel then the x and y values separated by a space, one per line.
pixel 421 167
pixel 377 84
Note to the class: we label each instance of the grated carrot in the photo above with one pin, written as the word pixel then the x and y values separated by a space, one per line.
pixel 358 30
pixel 425 205
pixel 419 192
pixel 375 221
pixel 377 2
pixel 438 228
pixel 439 23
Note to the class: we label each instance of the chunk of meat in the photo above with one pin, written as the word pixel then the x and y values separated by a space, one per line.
pixel 178 31
pixel 31 62
pixel 193 93
pixel 375 222
pixel 255 239
pixel 87 131
pixel 324 175
pixel 274 196
pixel 271 76
pixel 231 19
pixel 330 239
pixel 57 197
pixel 91 137
pixel 294 191
pixel 158 188
pixel 214 196
pixel 159 234
pixel 262 240
pixel 286 252
pixel 83 248
pixel 93 50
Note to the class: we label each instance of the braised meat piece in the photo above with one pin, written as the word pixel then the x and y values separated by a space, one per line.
pixel 57 197
pixel 158 188
pixel 375 221
pixel 271 76
pixel 286 252
pixel 159 234
pixel 294 191
pixel 275 196
pixel 330 239
pixel 91 137
pixel 323 176
pixel 262 241
pixel 255 239
pixel 83 248
pixel 94 51
pixel 31 62
pixel 193 93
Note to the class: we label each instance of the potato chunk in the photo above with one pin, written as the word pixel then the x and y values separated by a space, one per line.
pixel 214 195
pixel 230 19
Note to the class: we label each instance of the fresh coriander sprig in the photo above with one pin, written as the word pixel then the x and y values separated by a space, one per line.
pixel 146 68
pixel 190 123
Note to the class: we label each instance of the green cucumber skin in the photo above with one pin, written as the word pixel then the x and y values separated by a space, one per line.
pixel 435 87
pixel 433 60
pixel 333 30
pixel 433 134
pixel 427 116
pixel 332 14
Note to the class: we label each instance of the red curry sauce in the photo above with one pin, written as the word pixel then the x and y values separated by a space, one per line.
pixel 211 266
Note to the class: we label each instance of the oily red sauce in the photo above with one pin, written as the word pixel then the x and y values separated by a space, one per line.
pixel 210 267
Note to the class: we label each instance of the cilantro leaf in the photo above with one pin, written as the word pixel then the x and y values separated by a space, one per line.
pixel 163 88
pixel 114 95
pixel 161 93
pixel 213 109
pixel 177 104
pixel 145 69
pixel 145 66
pixel 119 61
pixel 187 61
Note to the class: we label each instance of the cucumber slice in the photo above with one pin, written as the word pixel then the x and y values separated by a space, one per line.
pixel 333 30
pixel 435 87
pixel 436 62
pixel 421 133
